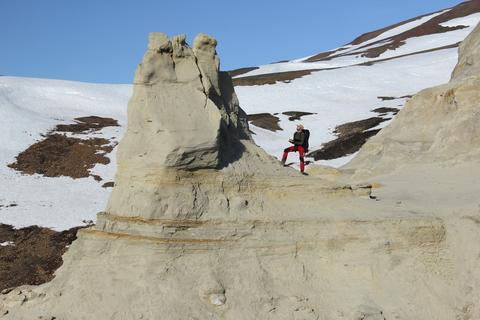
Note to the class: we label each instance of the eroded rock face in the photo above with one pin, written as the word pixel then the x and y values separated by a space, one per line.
pixel 172 76
pixel 183 117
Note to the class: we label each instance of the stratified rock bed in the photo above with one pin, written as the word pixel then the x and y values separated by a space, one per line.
pixel 202 224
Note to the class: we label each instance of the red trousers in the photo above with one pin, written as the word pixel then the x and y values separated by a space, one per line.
pixel 301 153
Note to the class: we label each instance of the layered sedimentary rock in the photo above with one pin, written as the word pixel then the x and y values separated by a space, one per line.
pixel 428 161
pixel 202 224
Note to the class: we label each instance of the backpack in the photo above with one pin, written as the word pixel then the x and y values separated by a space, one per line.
pixel 305 142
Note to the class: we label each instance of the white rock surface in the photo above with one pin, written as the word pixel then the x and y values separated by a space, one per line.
pixel 202 224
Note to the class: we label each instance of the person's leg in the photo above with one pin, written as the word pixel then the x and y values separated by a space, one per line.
pixel 285 153
pixel 301 154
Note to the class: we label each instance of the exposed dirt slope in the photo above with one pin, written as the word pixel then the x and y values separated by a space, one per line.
pixel 351 136
pixel 62 155
pixel 264 120
pixel 271 78
pixel 31 255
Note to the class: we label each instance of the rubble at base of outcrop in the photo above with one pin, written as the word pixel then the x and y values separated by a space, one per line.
pixel 203 224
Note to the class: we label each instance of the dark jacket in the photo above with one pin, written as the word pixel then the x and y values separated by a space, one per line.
pixel 299 138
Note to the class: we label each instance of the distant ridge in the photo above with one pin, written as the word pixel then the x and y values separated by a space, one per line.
pixel 432 26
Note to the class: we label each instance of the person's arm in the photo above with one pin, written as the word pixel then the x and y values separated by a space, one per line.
pixel 292 141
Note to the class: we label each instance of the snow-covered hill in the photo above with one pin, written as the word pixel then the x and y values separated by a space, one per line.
pixel 380 69
pixel 29 109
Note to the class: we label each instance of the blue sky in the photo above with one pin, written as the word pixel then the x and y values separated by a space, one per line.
pixel 104 40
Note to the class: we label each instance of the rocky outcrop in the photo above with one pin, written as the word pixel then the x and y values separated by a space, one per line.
pixel 468 62
pixel 187 152
pixel 202 224
pixel 183 117
pixel 426 161
pixel 438 125
pixel 177 114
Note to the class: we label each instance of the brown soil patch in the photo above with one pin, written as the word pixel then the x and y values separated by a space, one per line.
pixel 351 136
pixel 237 72
pixel 296 115
pixel 34 256
pixel 265 121
pixel 272 78
pixel 394 98
pixel 59 155
pixel 373 34
pixel 385 110
pixel 8 205
pixel 370 63
pixel 108 184
pixel 357 126
pixel 321 56
pixel 342 146
pixel 87 124
pixel 428 28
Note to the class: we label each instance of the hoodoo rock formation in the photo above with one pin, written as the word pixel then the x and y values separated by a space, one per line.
pixel 203 224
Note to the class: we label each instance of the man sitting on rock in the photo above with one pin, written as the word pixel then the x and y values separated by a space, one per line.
pixel 300 144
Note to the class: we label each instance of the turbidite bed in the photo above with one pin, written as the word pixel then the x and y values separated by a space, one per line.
pixel 203 224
